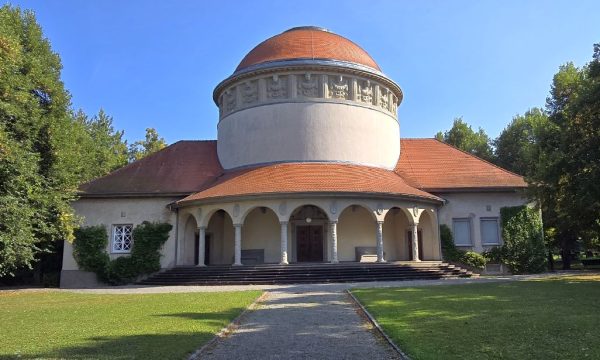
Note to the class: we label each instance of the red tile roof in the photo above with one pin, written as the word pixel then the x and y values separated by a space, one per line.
pixel 432 165
pixel 307 43
pixel 308 178
pixel 192 167
pixel 181 168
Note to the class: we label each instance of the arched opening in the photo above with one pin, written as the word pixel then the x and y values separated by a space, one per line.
pixel 261 241
pixel 396 243
pixel 189 255
pixel 219 246
pixel 357 236
pixel 428 235
pixel 308 227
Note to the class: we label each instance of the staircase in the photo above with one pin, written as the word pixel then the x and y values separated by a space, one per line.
pixel 269 274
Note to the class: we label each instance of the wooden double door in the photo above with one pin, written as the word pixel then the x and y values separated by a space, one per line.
pixel 309 243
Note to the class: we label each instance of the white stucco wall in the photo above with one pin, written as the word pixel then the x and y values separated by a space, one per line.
pixel 475 206
pixel 262 231
pixel 134 211
pixel 308 131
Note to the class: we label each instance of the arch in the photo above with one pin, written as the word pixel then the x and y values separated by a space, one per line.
pixel 190 241
pixel 430 241
pixel 252 208
pixel 306 222
pixel 356 233
pixel 219 237
pixel 261 236
pixel 396 225
pixel 206 218
pixel 363 205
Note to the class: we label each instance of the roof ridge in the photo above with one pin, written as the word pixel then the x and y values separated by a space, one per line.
pixel 480 159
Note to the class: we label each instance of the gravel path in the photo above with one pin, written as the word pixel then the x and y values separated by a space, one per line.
pixel 311 324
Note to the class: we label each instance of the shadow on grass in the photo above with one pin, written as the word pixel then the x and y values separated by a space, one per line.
pixel 147 346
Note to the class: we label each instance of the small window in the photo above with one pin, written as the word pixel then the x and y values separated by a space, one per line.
pixel 122 239
pixel 489 231
pixel 462 232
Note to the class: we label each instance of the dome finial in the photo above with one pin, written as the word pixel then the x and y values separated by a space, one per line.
pixel 309 27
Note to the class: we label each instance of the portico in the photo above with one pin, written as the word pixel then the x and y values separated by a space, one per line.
pixel 327 230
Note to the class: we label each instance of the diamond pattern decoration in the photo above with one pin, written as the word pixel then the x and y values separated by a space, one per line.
pixel 122 238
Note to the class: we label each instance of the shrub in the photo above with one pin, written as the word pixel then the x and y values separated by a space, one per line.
pixel 90 252
pixel 473 259
pixel 449 250
pixel 494 255
pixel 523 249
pixel 451 253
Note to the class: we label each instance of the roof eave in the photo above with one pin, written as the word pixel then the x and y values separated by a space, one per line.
pixel 287 195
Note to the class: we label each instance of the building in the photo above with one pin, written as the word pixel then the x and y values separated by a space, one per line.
pixel 308 166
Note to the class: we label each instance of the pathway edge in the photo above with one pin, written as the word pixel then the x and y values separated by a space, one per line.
pixel 227 329
pixel 403 355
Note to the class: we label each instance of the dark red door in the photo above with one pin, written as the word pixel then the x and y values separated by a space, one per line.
pixel 409 238
pixel 309 242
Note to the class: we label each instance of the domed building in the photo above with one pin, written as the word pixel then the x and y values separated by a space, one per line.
pixel 308 167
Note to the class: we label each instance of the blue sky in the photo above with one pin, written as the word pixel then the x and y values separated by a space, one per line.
pixel 156 63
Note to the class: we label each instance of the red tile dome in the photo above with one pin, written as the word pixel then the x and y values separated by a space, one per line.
pixel 307 42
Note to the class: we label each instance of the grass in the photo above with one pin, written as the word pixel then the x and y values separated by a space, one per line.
pixel 53 324
pixel 552 318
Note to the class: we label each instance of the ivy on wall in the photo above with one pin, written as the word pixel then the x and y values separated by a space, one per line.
pixel 89 250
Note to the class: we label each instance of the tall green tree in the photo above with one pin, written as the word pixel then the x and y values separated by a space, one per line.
pixel 107 150
pixel 517 148
pixel 152 143
pixel 35 126
pixel 462 136
pixel 567 180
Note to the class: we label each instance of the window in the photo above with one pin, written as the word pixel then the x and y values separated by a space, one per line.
pixel 122 239
pixel 461 229
pixel 489 231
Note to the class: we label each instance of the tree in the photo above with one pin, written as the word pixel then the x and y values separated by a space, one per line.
pixel 517 147
pixel 462 136
pixel 567 177
pixel 107 151
pixel 151 144
pixel 35 126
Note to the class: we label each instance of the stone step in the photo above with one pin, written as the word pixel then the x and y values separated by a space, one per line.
pixel 304 273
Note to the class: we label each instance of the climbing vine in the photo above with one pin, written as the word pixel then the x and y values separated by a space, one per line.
pixel 89 250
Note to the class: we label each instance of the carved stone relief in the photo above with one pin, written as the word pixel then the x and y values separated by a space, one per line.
pixel 383 99
pixel 308 86
pixel 338 88
pixel 366 92
pixel 277 87
pixel 229 100
pixel 249 92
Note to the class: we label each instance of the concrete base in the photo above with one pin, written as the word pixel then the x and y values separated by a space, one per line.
pixel 74 279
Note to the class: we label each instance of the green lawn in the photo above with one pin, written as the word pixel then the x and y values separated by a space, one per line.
pixel 555 318
pixel 68 325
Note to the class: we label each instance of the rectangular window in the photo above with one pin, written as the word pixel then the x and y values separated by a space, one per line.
pixel 461 229
pixel 122 238
pixel 489 231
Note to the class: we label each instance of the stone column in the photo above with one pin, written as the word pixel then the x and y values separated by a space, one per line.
pixel 415 242
pixel 334 249
pixel 380 242
pixel 238 245
pixel 284 241
pixel 201 245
